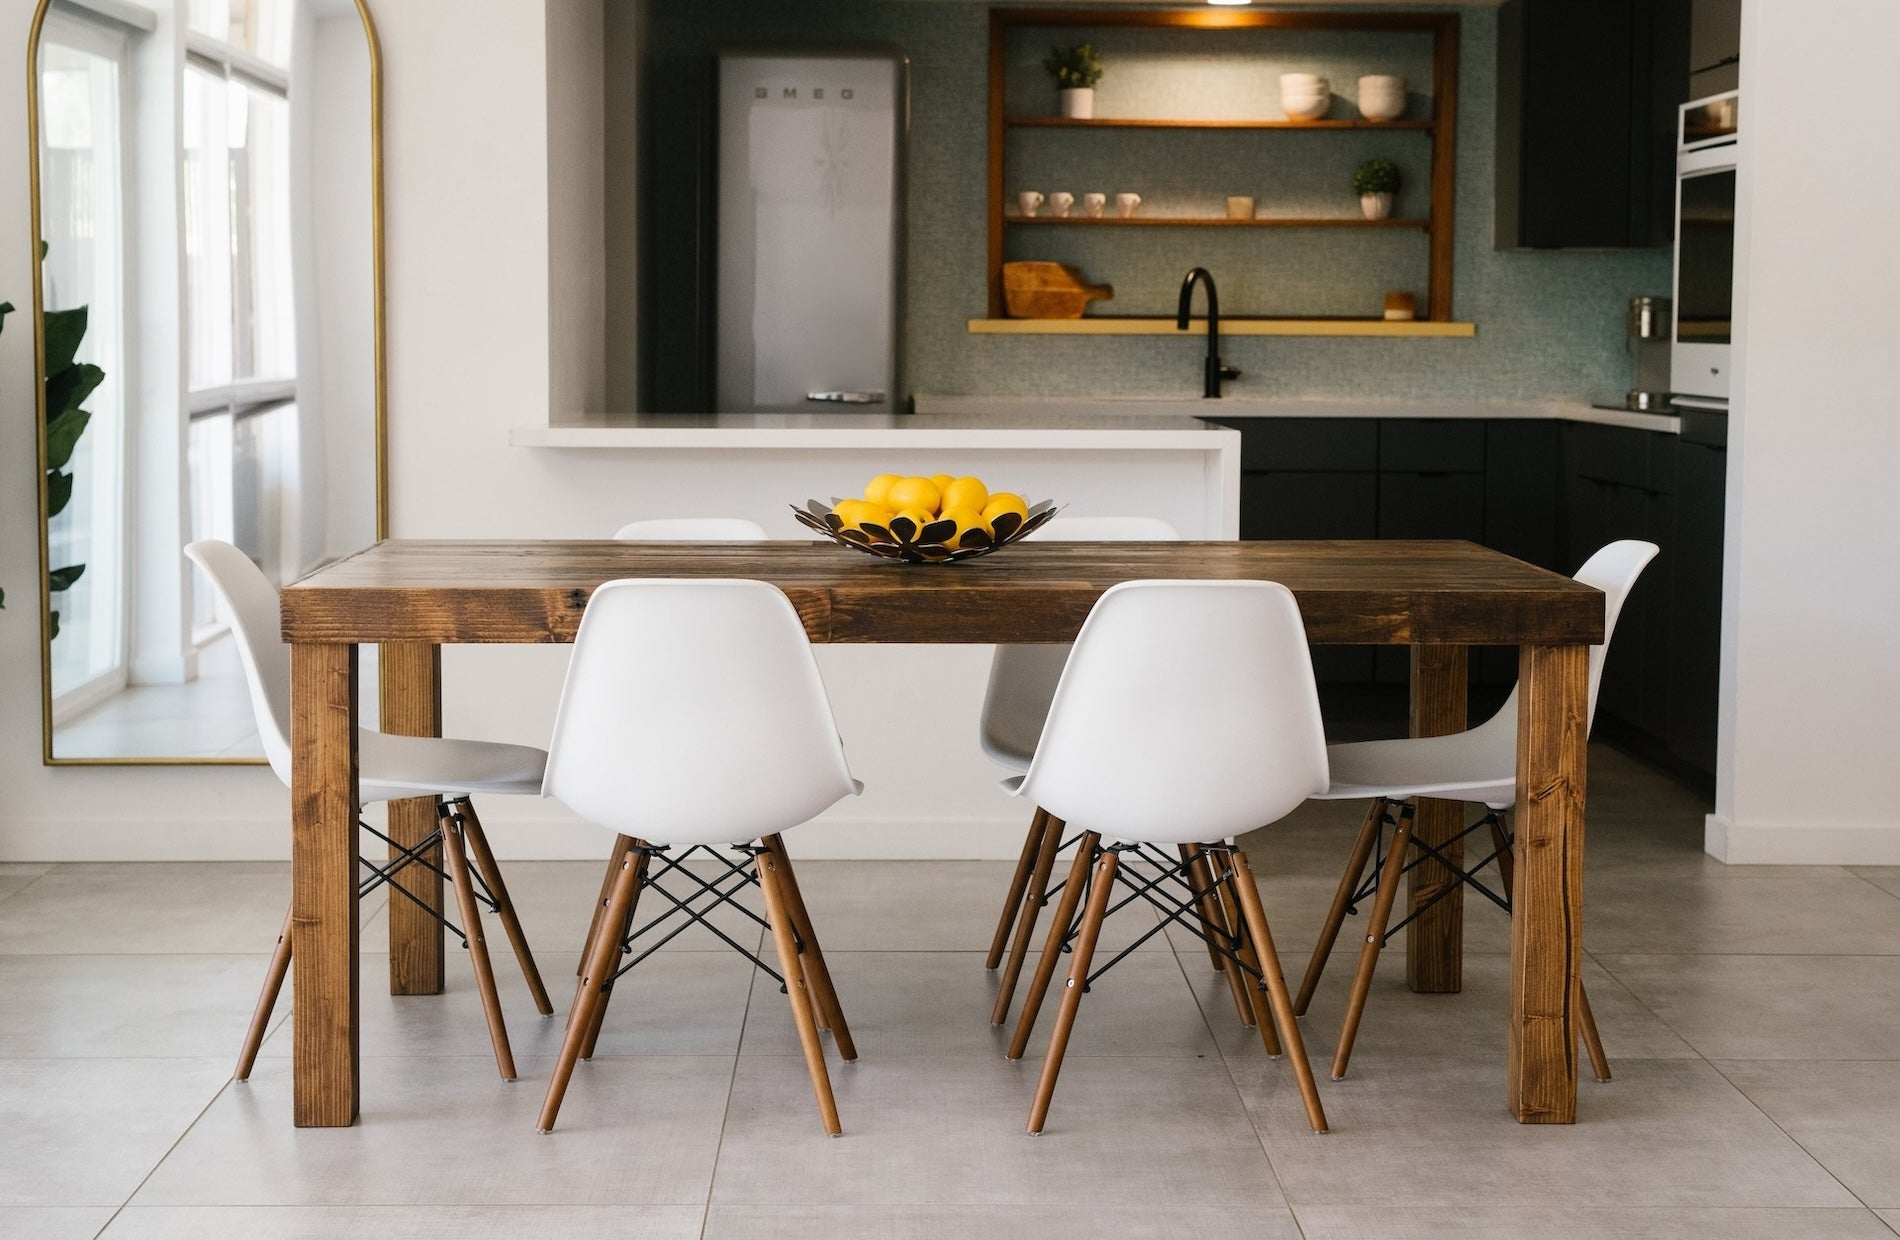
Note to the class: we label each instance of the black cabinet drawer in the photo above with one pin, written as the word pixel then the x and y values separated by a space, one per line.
pixel 1431 446
pixel 1622 455
pixel 1307 444
pixel 1276 504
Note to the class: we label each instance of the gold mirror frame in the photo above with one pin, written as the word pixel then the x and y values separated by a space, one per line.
pixel 380 379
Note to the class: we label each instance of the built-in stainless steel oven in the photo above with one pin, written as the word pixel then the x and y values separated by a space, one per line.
pixel 1708 148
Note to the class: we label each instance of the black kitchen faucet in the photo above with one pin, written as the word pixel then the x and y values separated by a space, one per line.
pixel 1216 369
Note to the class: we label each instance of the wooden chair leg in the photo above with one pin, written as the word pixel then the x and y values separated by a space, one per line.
pixel 617 929
pixel 1018 882
pixel 1592 1042
pixel 455 854
pixel 777 913
pixel 1342 899
pixel 1099 893
pixel 1249 953
pixel 594 972
pixel 504 905
pixel 1246 995
pixel 1034 894
pixel 1196 875
pixel 1052 949
pixel 266 1001
pixel 621 844
pixel 1281 1006
pixel 1375 939
pixel 1507 864
pixel 824 993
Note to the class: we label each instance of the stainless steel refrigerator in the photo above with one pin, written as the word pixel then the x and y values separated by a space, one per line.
pixel 810 267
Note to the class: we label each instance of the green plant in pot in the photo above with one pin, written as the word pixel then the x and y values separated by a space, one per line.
pixel 1076 70
pixel 1376 182
pixel 68 383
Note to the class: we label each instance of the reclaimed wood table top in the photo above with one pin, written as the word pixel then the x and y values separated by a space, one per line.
pixel 1350 592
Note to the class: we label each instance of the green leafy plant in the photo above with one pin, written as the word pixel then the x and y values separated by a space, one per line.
pixel 1376 176
pixel 1075 68
pixel 68 383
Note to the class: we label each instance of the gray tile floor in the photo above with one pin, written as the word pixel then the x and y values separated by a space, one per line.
pixel 1752 1015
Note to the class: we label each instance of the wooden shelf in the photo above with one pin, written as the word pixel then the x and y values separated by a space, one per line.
pixel 1219 221
pixel 1123 122
pixel 1111 325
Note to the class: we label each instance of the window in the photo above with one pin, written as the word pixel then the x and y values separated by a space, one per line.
pixel 82 68
pixel 259 28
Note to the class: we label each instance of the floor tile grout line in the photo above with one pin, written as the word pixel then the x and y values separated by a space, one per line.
pixel 160 1161
pixel 1850 869
pixel 1793 1140
pixel 732 1083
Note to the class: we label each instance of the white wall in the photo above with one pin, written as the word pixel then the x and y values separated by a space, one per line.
pixel 1811 639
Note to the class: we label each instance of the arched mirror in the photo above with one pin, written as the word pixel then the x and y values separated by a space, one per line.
pixel 207 194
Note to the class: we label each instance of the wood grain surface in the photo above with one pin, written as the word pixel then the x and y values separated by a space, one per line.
pixel 1350 592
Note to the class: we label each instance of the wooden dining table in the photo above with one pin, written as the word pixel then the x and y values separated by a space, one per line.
pixel 1437 597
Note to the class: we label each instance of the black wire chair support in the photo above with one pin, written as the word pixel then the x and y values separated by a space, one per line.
pixel 717 888
pixel 1434 852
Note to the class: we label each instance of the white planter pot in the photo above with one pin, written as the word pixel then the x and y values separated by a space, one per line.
pixel 1078 103
pixel 1376 206
pixel 1381 97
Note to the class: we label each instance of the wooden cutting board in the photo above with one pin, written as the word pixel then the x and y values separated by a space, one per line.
pixel 1049 291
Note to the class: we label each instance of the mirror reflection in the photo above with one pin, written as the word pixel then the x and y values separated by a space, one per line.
pixel 206 207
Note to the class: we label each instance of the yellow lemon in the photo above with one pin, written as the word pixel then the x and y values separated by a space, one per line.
pixel 941 482
pixel 878 490
pixel 848 509
pixel 872 517
pixel 919 493
pixel 1002 502
pixel 967 519
pixel 966 493
pixel 917 517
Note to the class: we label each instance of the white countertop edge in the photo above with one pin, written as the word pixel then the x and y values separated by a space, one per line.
pixel 1184 439
pixel 1536 410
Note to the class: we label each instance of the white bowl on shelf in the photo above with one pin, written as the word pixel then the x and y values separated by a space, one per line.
pixel 1381 97
pixel 1305 96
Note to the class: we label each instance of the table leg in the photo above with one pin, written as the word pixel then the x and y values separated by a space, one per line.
pixel 325 1048
pixel 1435 943
pixel 1547 905
pixel 411 691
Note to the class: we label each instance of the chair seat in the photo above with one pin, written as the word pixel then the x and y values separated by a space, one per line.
pixel 391 767
pixel 1455 768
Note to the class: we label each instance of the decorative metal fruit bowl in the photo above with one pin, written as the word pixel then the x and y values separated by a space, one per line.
pixel 928 543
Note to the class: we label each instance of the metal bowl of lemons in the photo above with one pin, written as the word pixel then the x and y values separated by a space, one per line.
pixel 918 520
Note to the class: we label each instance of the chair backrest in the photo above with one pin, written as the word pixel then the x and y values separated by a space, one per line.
pixel 692 529
pixel 1613 569
pixel 1023 677
pixel 693 713
pixel 1187 714
pixel 255 624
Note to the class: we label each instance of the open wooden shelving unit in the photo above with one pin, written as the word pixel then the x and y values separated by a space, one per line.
pixel 1439 128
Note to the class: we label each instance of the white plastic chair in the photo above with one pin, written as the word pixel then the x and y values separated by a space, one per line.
pixel 1186 715
pixel 693 716
pixel 1022 682
pixel 389 768
pixel 691 529
pixel 1478 765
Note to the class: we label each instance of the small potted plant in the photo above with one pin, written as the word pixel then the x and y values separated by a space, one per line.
pixel 1076 72
pixel 1376 181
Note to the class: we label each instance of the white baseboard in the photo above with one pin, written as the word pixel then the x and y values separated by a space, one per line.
pixel 515 839
pixel 1871 843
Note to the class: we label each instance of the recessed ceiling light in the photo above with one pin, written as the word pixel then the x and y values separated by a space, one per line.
pixel 1230 1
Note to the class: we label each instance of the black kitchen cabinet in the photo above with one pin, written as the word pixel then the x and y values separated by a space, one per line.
pixel 1548 493
pixel 1587 97
pixel 1695 601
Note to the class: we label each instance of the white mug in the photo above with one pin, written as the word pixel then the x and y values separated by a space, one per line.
pixel 1125 204
pixel 1027 202
pixel 1060 202
pixel 1092 205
